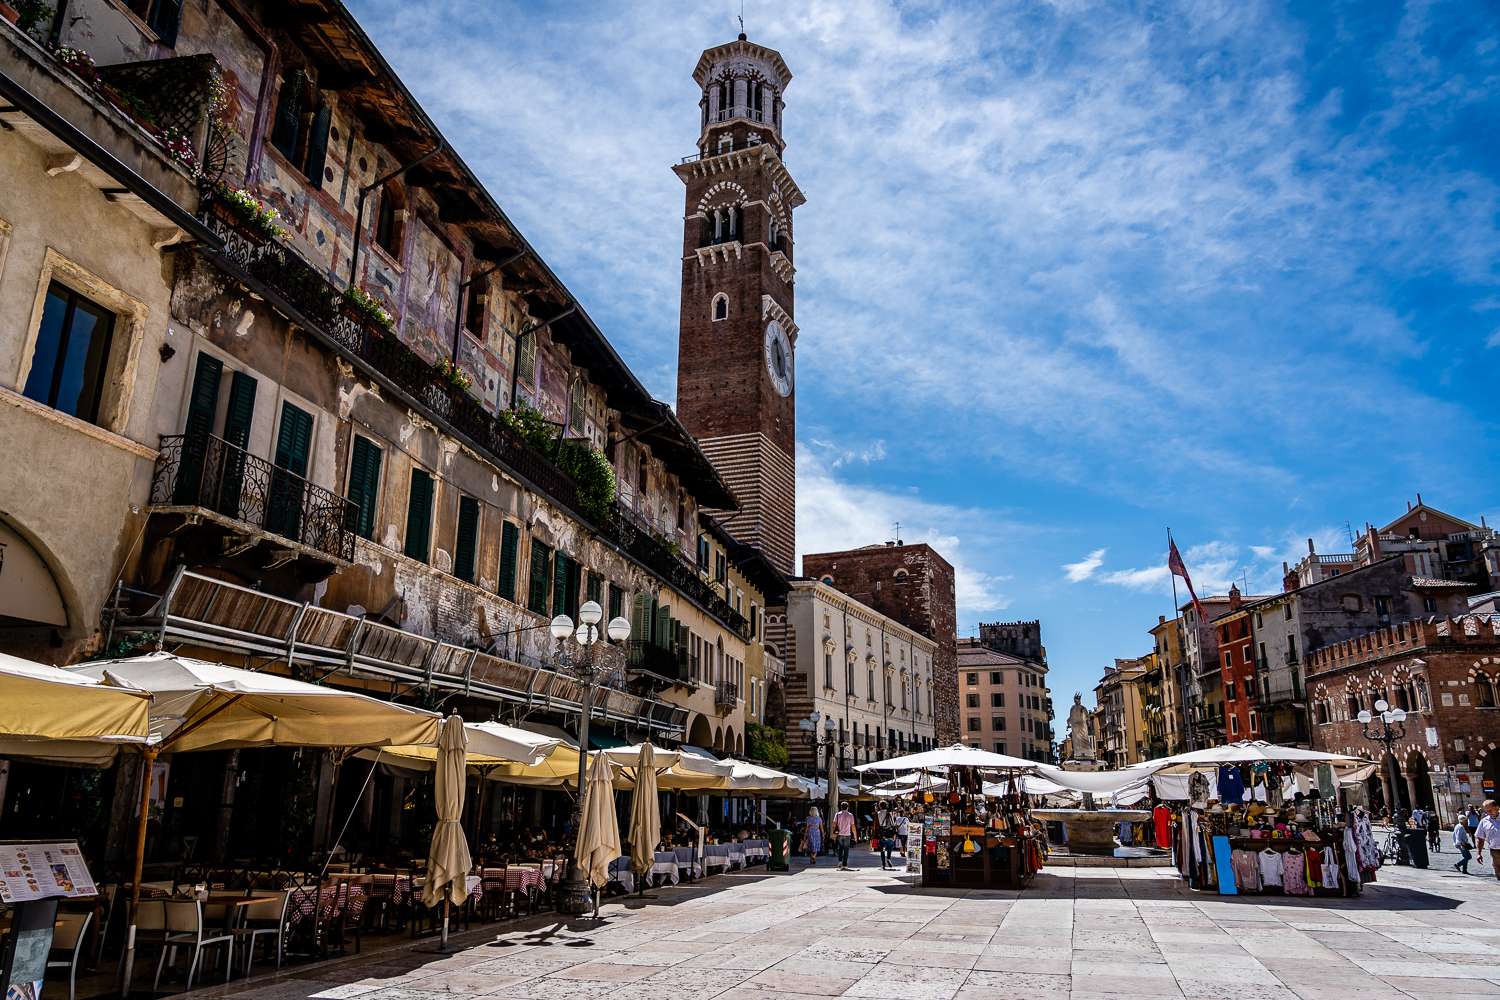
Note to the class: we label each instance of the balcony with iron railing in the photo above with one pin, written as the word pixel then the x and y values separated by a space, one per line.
pixel 278 273
pixel 726 695
pixel 203 472
pixel 665 662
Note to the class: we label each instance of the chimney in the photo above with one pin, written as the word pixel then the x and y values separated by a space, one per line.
pixel 1310 550
pixel 1161 619
pixel 1419 499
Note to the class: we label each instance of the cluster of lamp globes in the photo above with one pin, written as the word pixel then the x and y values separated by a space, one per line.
pixel 1388 715
pixel 586 632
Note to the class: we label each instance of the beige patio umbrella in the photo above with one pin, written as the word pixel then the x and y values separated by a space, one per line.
pixel 198 705
pixel 645 816
pixel 598 841
pixel 448 860
pixel 43 703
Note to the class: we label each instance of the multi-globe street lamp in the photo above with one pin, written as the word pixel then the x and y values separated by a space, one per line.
pixel 825 738
pixel 577 894
pixel 1392 729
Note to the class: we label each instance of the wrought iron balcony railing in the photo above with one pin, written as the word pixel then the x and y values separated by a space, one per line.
pixel 180 102
pixel 726 695
pixel 657 557
pixel 663 661
pixel 206 471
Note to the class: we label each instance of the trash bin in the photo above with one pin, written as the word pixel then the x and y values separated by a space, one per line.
pixel 1416 847
pixel 777 862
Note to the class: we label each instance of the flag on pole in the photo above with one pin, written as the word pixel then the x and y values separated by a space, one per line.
pixel 1175 564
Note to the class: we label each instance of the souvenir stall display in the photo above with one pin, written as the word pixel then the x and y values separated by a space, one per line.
pixel 974 837
pixel 1238 833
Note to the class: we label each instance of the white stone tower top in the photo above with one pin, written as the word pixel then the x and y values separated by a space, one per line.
pixel 742 86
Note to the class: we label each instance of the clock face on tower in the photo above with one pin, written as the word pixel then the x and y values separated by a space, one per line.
pixel 779 358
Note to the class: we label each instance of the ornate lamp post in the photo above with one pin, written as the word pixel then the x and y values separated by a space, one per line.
pixel 577 894
pixel 1392 730
pixel 825 739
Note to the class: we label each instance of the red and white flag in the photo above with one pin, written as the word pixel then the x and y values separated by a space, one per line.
pixel 1175 564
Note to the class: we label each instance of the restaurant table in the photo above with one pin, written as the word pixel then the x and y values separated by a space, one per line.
pixel 716 856
pixel 665 865
pixel 756 850
pixel 619 871
pixel 687 858
pixel 408 889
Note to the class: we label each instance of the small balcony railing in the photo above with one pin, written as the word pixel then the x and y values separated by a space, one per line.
pixel 178 101
pixel 726 695
pixel 667 662
pixel 206 471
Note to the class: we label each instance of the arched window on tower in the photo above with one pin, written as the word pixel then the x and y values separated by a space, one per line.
pixel 721 307
pixel 726 144
pixel 756 92
pixel 1485 689
pixel 726 94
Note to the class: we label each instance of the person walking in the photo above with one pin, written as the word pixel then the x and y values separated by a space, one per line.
pixel 814 835
pixel 1471 819
pixel 1463 842
pixel 1488 834
pixel 903 830
pixel 1433 829
pixel 843 831
pixel 885 830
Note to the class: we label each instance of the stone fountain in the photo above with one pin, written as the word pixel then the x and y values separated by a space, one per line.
pixel 1091 830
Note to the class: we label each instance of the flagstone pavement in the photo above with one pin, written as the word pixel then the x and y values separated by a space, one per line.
pixel 1076 933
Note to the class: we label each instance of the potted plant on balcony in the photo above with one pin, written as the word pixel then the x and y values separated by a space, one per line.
pixel 364 308
pixel 453 374
pixel 77 61
pixel 248 213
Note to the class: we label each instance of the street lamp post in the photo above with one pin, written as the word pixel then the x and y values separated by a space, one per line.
pixel 825 740
pixel 577 894
pixel 1392 729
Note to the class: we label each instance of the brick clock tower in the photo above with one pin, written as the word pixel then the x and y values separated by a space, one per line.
pixel 736 350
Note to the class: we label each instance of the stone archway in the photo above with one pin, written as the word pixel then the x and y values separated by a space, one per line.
pixel 1398 797
pixel 1419 780
pixel 700 732
pixel 718 740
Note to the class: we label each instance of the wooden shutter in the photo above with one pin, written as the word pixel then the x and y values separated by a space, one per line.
pixel 419 515
pixel 317 146
pixel 241 411
pixel 595 588
pixel 541 561
pixel 641 619
pixel 288 127
pixel 616 602
pixel 564 572
pixel 203 404
pixel 166 15
pixel 681 649
pixel 468 538
pixel 364 484
pixel 294 440
pixel 510 543
pixel 664 632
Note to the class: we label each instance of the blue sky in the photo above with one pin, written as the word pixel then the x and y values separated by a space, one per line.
pixel 1069 273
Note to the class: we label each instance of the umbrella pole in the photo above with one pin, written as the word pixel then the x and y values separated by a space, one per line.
pixel 127 960
pixel 443 938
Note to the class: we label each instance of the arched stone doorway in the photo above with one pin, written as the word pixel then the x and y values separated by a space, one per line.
pixel 1419 780
pixel 718 740
pixel 700 732
pixel 1397 797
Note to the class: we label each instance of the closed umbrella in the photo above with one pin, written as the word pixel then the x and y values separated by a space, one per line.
pixel 645 817
pixel 598 836
pixel 448 860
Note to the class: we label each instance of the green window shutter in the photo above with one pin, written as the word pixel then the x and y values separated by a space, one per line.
pixel 510 543
pixel 364 484
pixel 560 576
pixel 616 602
pixel 294 440
pixel 317 146
pixel 419 515
pixel 541 562
pixel 596 587
pixel 241 411
pixel 468 538
pixel 575 585
pixel 203 403
pixel 165 17
pixel 664 633
pixel 640 620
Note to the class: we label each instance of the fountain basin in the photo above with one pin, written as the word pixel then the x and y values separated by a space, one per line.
pixel 1092 831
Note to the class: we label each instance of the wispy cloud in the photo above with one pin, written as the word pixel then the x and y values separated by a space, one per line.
pixel 1084 568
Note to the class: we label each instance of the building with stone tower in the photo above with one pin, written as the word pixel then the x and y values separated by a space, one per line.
pixel 736 381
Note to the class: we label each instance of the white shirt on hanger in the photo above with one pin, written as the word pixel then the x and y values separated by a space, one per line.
pixel 1271 866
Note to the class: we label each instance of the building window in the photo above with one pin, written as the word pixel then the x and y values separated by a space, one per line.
pixel 566 581
pixel 419 516
pixel 828 669
pixel 364 484
pixel 510 546
pixel 300 129
pixel 161 16
pixel 972 700
pixel 1229 690
pixel 466 541
pixel 1429 604
pixel 997 723
pixel 69 365
pixel 973 724
pixel 721 307
pixel 971 679
pixel 703 553
pixel 540 579
pixel 1485 689
pixel 616 602
pixel 390 220
pixel 1234 725
pixel 996 677
pixel 474 308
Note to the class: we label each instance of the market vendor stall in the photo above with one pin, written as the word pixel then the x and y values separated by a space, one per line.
pixel 974 833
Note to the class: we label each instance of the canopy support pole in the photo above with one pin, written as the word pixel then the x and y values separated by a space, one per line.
pixel 127 960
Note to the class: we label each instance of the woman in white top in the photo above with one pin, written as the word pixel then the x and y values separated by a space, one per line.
pixel 902 829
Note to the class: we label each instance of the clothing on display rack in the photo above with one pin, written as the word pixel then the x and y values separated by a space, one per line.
pixel 1231 785
pixel 1271 867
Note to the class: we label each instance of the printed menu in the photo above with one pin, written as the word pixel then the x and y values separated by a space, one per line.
pixel 43 871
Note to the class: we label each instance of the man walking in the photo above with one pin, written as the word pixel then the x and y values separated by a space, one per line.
pixel 885 830
pixel 1488 834
pixel 843 829
pixel 1464 842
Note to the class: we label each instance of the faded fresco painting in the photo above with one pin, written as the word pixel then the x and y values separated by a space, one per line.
pixel 431 291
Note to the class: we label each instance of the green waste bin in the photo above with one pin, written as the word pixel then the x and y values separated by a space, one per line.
pixel 778 860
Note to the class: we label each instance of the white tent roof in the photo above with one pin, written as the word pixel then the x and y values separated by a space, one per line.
pixel 488 744
pixel 956 755
pixel 1097 782
pixel 1253 752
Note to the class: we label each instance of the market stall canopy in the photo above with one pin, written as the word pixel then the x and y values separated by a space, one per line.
pixel 489 744
pixel 675 771
pixel 197 705
pixel 1098 782
pixel 41 704
pixel 743 776
pixel 1255 752
pixel 956 755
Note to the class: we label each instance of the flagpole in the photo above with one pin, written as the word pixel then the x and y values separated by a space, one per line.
pixel 1187 729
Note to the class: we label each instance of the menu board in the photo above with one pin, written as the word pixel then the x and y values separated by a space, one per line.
pixel 41 870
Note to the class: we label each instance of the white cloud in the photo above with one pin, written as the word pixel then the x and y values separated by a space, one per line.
pixel 834 514
pixel 1084 568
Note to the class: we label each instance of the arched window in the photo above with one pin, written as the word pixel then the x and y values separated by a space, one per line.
pixel 1423 702
pixel 721 307
pixel 1352 704
pixel 1486 690
pixel 1321 712
pixel 726 143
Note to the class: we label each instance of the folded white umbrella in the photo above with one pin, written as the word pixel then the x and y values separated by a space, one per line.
pixel 448 859
pixel 645 816
pixel 598 843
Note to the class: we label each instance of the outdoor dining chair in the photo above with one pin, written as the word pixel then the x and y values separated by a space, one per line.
pixel 266 919
pixel 67 945
pixel 184 929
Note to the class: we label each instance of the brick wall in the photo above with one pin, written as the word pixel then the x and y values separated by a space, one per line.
pixel 914 585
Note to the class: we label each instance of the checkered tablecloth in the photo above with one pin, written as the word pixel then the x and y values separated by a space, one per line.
pixel 524 878
pixel 331 903
pixel 715 856
pixel 408 889
pixel 665 864
pixel 687 858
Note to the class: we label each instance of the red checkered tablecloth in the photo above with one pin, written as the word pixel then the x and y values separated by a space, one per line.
pixel 350 903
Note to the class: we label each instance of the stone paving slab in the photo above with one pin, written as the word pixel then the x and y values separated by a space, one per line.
pixel 1076 934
